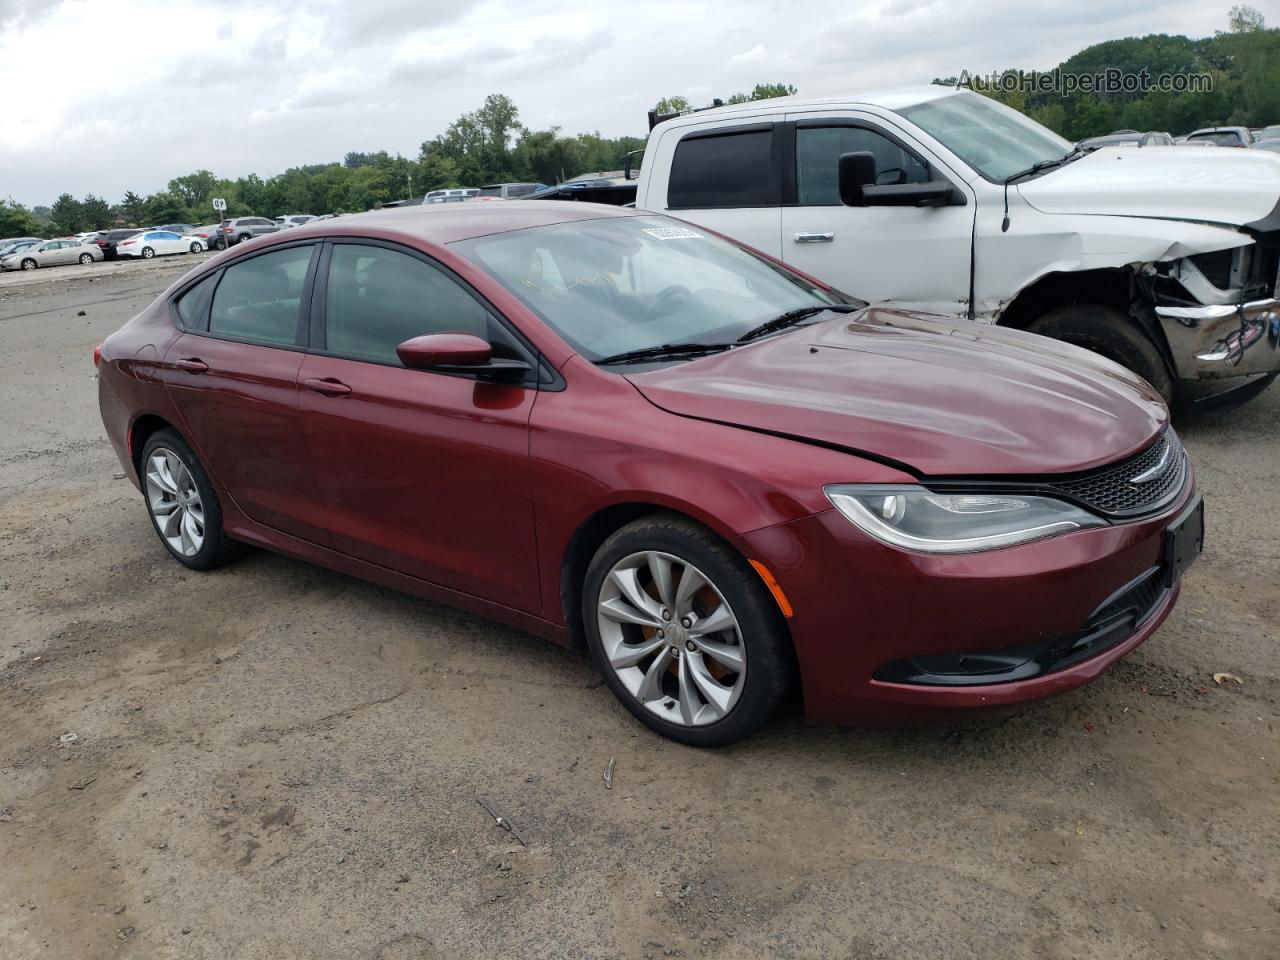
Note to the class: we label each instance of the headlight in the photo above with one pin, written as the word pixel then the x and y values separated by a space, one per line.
pixel 914 518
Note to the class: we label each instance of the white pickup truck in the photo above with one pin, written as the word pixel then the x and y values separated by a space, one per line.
pixel 1164 259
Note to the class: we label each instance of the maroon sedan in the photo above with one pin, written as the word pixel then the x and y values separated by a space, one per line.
pixel 726 479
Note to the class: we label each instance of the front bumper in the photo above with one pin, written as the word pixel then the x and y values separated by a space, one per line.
pixel 1222 340
pixel 861 607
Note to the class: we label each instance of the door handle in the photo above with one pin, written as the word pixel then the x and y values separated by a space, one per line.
pixel 804 237
pixel 191 365
pixel 328 386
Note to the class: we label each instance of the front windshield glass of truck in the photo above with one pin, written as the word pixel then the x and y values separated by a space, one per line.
pixel 995 140
pixel 618 284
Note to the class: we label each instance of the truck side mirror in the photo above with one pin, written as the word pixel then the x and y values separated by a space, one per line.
pixel 857 170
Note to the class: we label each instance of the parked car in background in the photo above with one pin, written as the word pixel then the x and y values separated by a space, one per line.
pixel 239 229
pixel 948 202
pixel 158 243
pixel 1184 142
pixel 731 481
pixel 1224 136
pixel 453 195
pixel 51 253
pixel 179 228
pixel 14 246
pixel 508 191
pixel 1273 145
pixel 1271 132
pixel 293 220
pixel 1128 138
pixel 8 241
pixel 211 235
pixel 108 239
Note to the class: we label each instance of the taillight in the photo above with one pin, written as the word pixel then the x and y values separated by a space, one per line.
pixel 97 355
pixel 128 243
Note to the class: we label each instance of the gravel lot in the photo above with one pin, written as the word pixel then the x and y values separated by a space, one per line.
pixel 273 761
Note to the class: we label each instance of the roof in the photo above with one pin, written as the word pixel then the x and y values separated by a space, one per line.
pixel 889 98
pixel 448 222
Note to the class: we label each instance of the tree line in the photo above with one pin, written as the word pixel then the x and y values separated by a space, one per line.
pixel 1241 62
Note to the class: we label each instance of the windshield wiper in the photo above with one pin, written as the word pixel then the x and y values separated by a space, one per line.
pixel 1074 154
pixel 792 317
pixel 665 352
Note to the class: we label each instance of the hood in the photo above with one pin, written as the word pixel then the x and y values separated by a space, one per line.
pixel 940 398
pixel 1235 187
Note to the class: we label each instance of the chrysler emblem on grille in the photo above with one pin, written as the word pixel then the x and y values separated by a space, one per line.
pixel 1146 476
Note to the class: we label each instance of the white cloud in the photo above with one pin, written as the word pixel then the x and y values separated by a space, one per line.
pixel 264 85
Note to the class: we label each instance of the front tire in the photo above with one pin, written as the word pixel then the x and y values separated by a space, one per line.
pixel 1110 333
pixel 147 253
pixel 29 264
pixel 685 633
pixel 86 259
pixel 182 503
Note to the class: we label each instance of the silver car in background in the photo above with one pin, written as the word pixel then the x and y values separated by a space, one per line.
pixel 52 253
pixel 246 228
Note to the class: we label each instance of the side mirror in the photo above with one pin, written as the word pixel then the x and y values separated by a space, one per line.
pixel 444 350
pixel 856 171
pixel 459 353
pixel 931 193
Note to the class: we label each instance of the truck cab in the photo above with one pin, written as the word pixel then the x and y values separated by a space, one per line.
pixel 942 201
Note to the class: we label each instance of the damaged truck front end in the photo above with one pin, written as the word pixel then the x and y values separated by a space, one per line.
pixel 1220 313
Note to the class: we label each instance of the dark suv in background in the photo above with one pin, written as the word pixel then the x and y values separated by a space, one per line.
pixel 107 240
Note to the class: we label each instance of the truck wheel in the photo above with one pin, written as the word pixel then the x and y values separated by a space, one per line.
pixel 1108 332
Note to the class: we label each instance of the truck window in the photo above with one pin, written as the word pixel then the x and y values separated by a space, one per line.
pixel 818 152
pixel 729 170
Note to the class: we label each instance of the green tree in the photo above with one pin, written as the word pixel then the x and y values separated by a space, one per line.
pixel 165 208
pixel 67 215
pixel 133 208
pixel 195 190
pixel 96 211
pixel 676 104
pixel 764 91
pixel 16 220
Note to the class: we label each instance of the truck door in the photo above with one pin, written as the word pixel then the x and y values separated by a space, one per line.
pixel 727 177
pixel 916 257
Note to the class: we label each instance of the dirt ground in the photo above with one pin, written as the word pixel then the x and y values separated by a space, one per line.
pixel 273 761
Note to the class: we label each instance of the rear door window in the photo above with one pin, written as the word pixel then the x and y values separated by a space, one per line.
pixel 725 170
pixel 193 306
pixel 260 299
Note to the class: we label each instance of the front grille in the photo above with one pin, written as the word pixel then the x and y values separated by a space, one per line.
pixel 1111 490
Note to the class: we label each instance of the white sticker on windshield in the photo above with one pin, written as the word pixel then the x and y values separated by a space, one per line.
pixel 672 233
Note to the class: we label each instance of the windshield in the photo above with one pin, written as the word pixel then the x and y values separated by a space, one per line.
pixel 995 140
pixel 618 284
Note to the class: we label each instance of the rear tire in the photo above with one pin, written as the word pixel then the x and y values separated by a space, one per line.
pixel 196 248
pixel 86 258
pixel 1110 333
pixel 245 236
pixel 147 253
pixel 183 505
pixel 687 688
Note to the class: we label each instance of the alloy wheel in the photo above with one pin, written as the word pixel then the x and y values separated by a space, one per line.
pixel 28 264
pixel 174 499
pixel 86 258
pixel 147 253
pixel 671 638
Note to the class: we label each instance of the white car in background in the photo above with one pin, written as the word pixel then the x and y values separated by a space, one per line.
pixel 293 220
pixel 158 243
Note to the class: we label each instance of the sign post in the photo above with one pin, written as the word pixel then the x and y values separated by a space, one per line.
pixel 220 205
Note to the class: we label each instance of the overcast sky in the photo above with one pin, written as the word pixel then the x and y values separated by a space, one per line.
pixel 100 97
